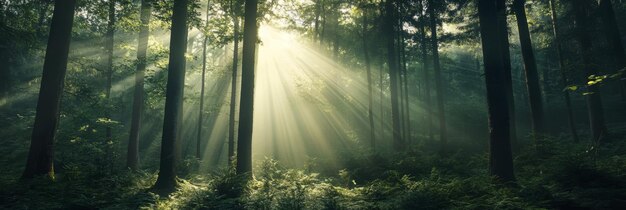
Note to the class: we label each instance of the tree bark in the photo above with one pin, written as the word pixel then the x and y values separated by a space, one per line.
pixel 233 93
pixel 41 152
pixel 132 159
pixel 166 181
pixel 594 100
pixel 407 109
pixel 530 67
pixel 425 71
pixel 505 51
pixel 109 41
pixel 564 80
pixel 491 30
pixel 389 27
pixel 244 143
pixel 443 137
pixel 368 68
pixel 203 80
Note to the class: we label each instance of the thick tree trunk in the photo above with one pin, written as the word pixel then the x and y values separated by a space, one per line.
pixel 614 38
pixel 594 100
pixel 244 143
pixel 203 80
pixel 166 182
pixel 390 20
pixel 233 92
pixel 505 51
pixel 438 81
pixel 500 157
pixel 368 68
pixel 132 159
pixel 40 155
pixel 530 67
pixel 564 80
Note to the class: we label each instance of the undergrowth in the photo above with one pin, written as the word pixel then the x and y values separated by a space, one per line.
pixel 548 177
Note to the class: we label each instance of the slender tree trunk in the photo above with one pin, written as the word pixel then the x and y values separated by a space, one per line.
pixel 407 109
pixel 203 80
pixel 317 20
pixel 401 77
pixel 370 99
pixel 500 155
pixel 564 80
pixel 382 99
pixel 233 94
pixel 244 143
pixel 425 72
pixel 110 35
pixel 132 160
pixel 166 181
pixel 594 100
pixel 438 81
pixel 614 38
pixel 502 14
pixel 530 67
pixel 41 152
pixel 390 19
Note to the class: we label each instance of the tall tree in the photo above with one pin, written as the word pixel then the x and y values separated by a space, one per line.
pixel 614 38
pixel 233 93
pixel 530 67
pixel 425 68
pixel 505 51
pixel 438 81
pixel 166 182
pixel 201 111
pixel 132 159
pixel 368 68
pixel 392 62
pixel 109 41
pixel 244 143
pixel 500 155
pixel 564 80
pixel 594 101
pixel 40 154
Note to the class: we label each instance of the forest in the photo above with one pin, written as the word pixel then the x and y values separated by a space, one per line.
pixel 312 104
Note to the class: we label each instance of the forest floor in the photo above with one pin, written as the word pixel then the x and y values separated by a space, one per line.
pixel 556 174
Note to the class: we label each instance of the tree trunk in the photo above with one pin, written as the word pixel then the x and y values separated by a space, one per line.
pixel 505 51
pixel 317 20
pixel 40 155
pixel 166 182
pixel 109 41
pixel 401 77
pixel 244 143
pixel 564 80
pixel 203 79
pixel 614 38
pixel 390 19
pixel 425 72
pixel 491 30
pixel 438 81
pixel 530 67
pixel 370 99
pixel 594 101
pixel 407 109
pixel 233 93
pixel 132 160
